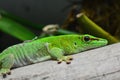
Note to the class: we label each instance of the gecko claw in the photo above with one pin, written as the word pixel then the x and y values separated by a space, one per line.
pixel 71 59
pixel 9 73
pixel 4 75
pixel 59 62
pixel 68 62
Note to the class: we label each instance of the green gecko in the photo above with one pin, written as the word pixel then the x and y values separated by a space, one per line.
pixel 55 47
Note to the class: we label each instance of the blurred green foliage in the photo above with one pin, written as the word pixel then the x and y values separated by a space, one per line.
pixel 15 29
pixel 105 14
pixel 17 26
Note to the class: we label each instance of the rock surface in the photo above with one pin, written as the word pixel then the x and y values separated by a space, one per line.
pixel 97 64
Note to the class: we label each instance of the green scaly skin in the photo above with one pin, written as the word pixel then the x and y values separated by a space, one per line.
pixel 55 47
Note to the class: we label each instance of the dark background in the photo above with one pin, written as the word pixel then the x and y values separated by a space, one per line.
pixel 37 11
pixel 105 13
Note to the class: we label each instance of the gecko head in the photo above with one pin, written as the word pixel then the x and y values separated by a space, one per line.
pixel 88 41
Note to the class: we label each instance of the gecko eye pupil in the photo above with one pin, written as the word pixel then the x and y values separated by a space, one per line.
pixel 86 38
pixel 75 43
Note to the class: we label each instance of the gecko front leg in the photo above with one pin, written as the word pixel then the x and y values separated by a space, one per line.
pixel 58 54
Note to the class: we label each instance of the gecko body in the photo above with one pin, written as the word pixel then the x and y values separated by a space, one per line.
pixel 55 47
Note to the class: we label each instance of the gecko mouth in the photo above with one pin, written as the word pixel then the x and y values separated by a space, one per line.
pixel 99 43
pixel 103 42
pixel 95 47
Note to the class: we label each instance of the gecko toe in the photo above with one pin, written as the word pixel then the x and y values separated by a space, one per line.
pixel 59 61
pixel 4 75
pixel 68 62
pixel 71 59
pixel 9 73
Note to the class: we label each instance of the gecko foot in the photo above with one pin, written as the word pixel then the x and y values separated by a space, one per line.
pixel 4 72
pixel 67 59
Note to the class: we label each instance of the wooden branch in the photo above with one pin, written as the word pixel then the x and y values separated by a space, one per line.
pixel 92 28
pixel 97 64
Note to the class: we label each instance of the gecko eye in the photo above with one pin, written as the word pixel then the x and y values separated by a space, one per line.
pixel 75 43
pixel 86 38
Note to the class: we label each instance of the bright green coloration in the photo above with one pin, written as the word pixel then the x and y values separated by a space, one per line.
pixel 55 47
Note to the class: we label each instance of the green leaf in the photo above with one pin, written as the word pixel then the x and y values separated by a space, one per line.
pixel 15 29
